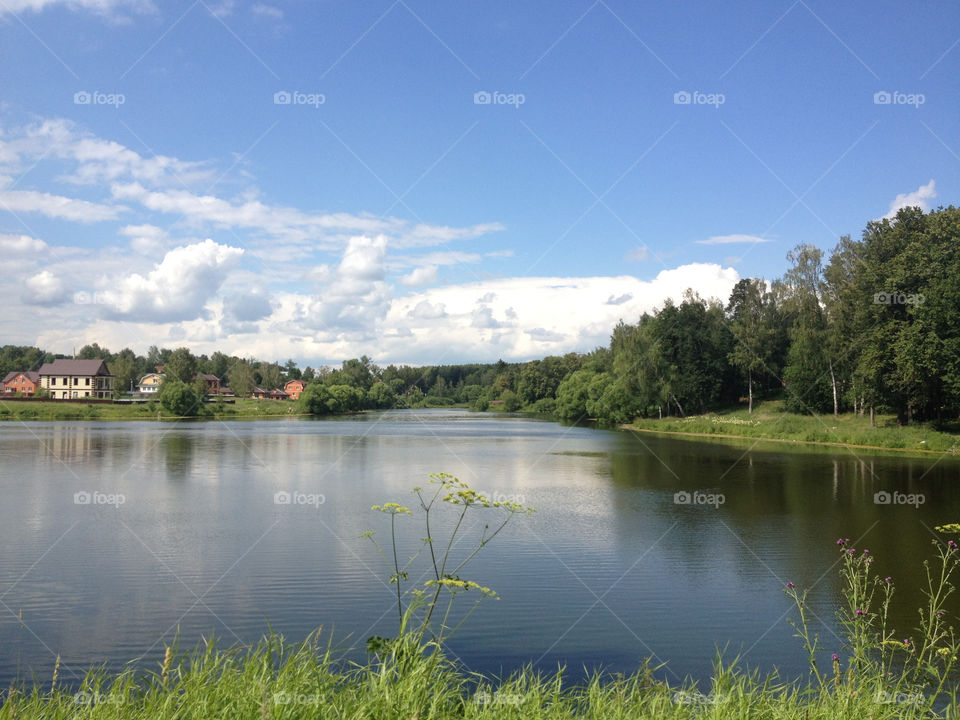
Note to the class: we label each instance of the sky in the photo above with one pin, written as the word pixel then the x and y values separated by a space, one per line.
pixel 433 183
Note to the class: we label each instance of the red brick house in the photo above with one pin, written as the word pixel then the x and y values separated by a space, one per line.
pixel 293 388
pixel 24 382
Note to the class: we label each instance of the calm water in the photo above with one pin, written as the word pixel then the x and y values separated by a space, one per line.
pixel 609 571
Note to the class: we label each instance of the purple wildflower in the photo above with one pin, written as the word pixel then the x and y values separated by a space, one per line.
pixel 790 585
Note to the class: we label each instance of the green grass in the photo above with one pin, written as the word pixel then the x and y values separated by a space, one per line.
pixel 770 421
pixel 55 410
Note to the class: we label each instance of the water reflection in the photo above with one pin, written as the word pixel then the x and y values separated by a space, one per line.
pixel 610 570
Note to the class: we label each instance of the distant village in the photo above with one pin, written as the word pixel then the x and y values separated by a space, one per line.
pixel 70 379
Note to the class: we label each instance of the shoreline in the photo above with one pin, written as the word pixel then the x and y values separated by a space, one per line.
pixel 788 441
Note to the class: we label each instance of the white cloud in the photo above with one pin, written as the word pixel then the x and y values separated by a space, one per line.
pixel 145 239
pixel 731 239
pixel 56 206
pixel 100 7
pixel 427 311
pixel 917 198
pixel 619 300
pixel 421 276
pixel 177 289
pixel 638 254
pixel 268 11
pixel 20 245
pixel 363 258
pixel 44 288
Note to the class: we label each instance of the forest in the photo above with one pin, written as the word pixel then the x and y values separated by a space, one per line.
pixel 873 327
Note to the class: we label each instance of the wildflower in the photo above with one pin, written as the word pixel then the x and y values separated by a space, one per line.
pixel 852 551
pixel 791 585
pixel 860 612
pixel 951 544
pixel 888 579
pixel 866 552
pixel 835 657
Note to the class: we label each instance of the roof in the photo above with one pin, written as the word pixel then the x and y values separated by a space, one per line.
pixel 30 375
pixel 209 377
pixel 67 366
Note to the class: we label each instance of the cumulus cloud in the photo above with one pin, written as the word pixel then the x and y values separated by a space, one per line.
pixel 483 318
pixel 542 335
pixel 917 198
pixel 44 288
pixel 732 239
pixel 425 310
pixel 619 300
pixel 145 239
pixel 247 307
pixel 177 289
pixel 421 276
pixel 363 258
pixel 20 245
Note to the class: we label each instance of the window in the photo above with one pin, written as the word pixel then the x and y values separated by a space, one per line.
pixel 88 382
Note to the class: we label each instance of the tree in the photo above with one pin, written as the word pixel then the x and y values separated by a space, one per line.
pixel 124 369
pixel 749 315
pixel 178 398
pixel 93 352
pixel 241 378
pixel 380 395
pixel 808 372
pixel 181 365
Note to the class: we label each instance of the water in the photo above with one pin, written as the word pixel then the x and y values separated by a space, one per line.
pixel 609 571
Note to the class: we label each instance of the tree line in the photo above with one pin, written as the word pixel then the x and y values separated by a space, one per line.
pixel 873 327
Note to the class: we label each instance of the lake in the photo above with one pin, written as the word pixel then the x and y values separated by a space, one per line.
pixel 116 536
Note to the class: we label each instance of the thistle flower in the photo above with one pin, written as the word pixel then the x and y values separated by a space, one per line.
pixel 791 585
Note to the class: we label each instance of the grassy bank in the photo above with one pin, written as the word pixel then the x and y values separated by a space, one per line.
pixel 54 410
pixel 770 422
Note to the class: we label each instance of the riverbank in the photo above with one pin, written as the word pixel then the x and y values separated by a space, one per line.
pixel 56 410
pixel 770 423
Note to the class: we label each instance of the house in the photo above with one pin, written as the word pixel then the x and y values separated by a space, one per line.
pixel 293 388
pixel 69 379
pixel 150 383
pixel 213 383
pixel 24 382
pixel 260 394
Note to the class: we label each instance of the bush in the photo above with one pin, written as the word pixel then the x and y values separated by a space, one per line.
pixel 180 399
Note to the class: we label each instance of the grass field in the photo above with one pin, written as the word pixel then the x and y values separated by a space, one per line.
pixel 55 410
pixel 770 421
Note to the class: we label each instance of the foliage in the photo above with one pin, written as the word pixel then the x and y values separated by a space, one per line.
pixel 179 398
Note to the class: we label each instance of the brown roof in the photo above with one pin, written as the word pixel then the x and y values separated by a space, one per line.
pixel 30 375
pixel 67 366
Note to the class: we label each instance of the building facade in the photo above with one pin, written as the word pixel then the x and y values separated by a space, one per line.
pixel 23 382
pixel 68 379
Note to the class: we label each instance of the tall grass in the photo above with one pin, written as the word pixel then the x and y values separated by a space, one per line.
pixel 878 675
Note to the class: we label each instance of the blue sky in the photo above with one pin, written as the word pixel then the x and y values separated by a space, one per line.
pixel 156 189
